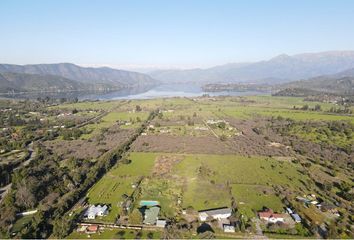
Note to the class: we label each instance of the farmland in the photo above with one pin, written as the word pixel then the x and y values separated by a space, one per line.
pixel 246 154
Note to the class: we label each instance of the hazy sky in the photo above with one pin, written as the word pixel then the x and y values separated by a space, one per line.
pixel 166 33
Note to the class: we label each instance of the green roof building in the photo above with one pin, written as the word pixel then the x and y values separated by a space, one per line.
pixel 151 215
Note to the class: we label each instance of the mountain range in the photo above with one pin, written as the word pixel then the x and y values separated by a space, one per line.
pixel 341 83
pixel 330 66
pixel 280 69
pixel 67 76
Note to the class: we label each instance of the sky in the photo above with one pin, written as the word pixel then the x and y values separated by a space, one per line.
pixel 170 33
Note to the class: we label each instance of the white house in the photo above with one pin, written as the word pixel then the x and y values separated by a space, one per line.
pixel 221 213
pixel 93 211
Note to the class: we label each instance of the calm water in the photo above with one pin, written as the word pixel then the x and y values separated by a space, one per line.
pixel 162 91
pixel 167 90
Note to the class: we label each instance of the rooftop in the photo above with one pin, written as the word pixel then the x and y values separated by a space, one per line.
pixel 217 211
pixel 151 215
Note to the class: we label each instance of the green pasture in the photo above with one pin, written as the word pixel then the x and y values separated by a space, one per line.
pixel 117 234
pixel 118 181
pixel 111 118
pixel 251 198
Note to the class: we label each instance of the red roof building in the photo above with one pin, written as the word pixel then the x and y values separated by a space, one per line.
pixel 92 229
pixel 270 216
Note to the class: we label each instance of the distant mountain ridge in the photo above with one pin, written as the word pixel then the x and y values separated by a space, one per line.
pixel 80 78
pixel 280 69
pixel 341 83
pixel 24 82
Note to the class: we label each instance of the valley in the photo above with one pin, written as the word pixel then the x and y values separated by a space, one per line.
pixel 178 158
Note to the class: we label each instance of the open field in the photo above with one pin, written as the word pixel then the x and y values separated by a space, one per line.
pixel 198 181
pixel 245 153
pixel 250 198
pixel 119 181
pixel 118 234
pixel 96 105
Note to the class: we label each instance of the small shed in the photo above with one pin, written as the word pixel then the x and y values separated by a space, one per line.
pixel 161 223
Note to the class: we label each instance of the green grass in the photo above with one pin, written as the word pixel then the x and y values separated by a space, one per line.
pixel 251 198
pixel 21 222
pixel 166 191
pixel 98 105
pixel 210 189
pixel 115 234
pixel 118 181
pixel 200 181
pixel 244 112
pixel 111 118
pixel 323 134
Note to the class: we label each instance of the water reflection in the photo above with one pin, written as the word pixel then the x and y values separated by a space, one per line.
pixel 161 91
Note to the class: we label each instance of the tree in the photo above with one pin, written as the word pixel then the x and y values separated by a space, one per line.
pixel 138 108
pixel 223 138
pixel 61 227
pixel 305 107
pixel 25 198
pixel 332 230
pixel 222 125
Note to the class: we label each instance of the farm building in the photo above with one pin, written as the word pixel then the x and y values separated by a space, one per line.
pixel 93 211
pixel 270 216
pixel 161 223
pixel 296 217
pixel 220 213
pixel 289 210
pixel 328 207
pixel 92 229
pixel 229 228
pixel 151 215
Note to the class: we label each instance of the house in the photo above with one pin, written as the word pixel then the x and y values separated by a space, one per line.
pixel 92 212
pixel 161 223
pixel 289 210
pixel 269 216
pixel 92 229
pixel 151 215
pixel 296 217
pixel 229 228
pixel 220 213
pixel 328 207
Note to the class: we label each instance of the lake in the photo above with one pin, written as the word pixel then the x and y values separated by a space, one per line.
pixel 161 91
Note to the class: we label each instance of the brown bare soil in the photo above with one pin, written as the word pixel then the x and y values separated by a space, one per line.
pixel 89 148
pixel 248 143
pixel 163 164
